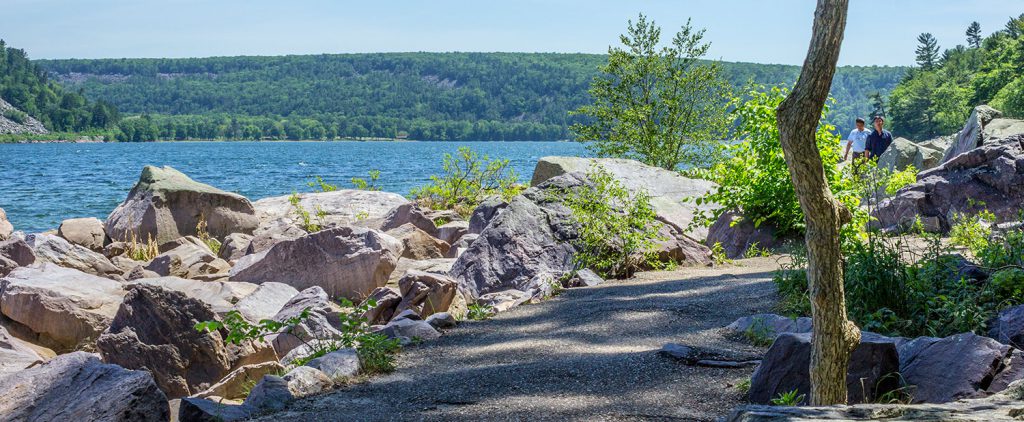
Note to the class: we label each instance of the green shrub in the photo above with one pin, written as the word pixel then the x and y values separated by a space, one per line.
pixel 311 223
pixel 478 312
pixel 759 333
pixel 320 185
pixel 972 231
pixel 377 353
pixel 791 398
pixel 755 251
pixel 1002 250
pixel 16 116
pixel 467 179
pixel 755 178
pixel 791 282
pixel 364 184
pixel 1009 283
pixel 898 180
pixel 718 256
pixel 616 231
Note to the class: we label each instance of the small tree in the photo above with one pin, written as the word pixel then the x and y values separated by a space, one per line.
pixel 974 35
pixel 660 105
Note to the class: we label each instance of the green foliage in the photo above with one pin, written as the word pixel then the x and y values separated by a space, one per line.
pixel 478 312
pixel 142 251
pixel 659 105
pixel 754 178
pixel 468 178
pixel 322 186
pixel 423 96
pixel 204 236
pixel 791 282
pixel 791 398
pixel 900 179
pixel 310 222
pixel 972 231
pixel 364 184
pixel 27 87
pixel 1009 283
pixel 1003 250
pixel 617 231
pixel 927 52
pixel 743 386
pixel 759 333
pixel 755 251
pixel 377 353
pixel 718 256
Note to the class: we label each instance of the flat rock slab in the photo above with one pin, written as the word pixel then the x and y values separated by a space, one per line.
pixel 702 356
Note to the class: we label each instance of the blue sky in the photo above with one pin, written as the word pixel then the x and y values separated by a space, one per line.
pixel 764 31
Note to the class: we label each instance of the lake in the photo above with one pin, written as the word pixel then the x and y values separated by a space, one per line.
pixel 43 184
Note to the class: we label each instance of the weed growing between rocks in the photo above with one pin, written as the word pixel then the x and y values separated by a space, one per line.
pixel 759 333
pixel 616 231
pixel 210 241
pixel 791 398
pixel 718 256
pixel 367 184
pixel 311 223
pixel 141 251
pixel 322 186
pixel 467 179
pixel 478 312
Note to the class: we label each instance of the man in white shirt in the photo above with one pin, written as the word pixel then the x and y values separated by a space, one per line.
pixel 857 141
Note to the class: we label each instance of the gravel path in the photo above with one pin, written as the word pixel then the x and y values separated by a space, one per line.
pixel 588 354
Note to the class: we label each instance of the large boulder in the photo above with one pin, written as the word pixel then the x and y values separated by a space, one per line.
pixel 18 252
pixel 86 232
pixel 992 174
pixel 322 322
pixel 15 354
pixel 344 261
pixel 56 250
pixel 1008 326
pixel 78 387
pixel 737 234
pixel 409 213
pixel 673 246
pixel 64 308
pixel 956 367
pixel 234 246
pixel 6 228
pixel 903 153
pixel 485 212
pixel 386 300
pixel 769 325
pixel 265 302
pixel 166 204
pixel 189 260
pixel 340 207
pixel 154 329
pixel 235 384
pixel 220 296
pixel 973 133
pixel 872 371
pixel 668 189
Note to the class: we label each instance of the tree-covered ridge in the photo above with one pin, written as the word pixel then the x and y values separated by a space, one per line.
pixel 26 86
pixel 431 96
pixel 937 96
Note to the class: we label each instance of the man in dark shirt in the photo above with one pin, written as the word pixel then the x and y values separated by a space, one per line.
pixel 878 140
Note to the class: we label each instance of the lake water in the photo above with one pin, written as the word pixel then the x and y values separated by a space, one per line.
pixel 43 184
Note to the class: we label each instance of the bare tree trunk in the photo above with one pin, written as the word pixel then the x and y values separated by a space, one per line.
pixel 833 337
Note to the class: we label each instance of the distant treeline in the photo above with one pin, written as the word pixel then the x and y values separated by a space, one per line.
pixel 937 96
pixel 426 96
pixel 28 88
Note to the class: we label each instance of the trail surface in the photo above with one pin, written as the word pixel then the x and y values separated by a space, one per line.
pixel 588 354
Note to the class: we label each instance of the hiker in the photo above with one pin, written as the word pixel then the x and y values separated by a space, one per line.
pixel 857 140
pixel 878 140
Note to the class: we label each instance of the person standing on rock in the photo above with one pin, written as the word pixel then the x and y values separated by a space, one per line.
pixel 878 140
pixel 857 141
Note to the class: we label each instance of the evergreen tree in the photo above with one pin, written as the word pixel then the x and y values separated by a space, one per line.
pixel 974 35
pixel 927 51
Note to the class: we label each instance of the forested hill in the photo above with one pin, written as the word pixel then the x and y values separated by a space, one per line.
pixel 431 96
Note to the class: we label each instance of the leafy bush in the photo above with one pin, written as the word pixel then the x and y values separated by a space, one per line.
pixel 718 256
pixel 478 312
pixel 899 179
pixel 321 185
pixel 755 178
pixel 1003 250
pixel 972 232
pixel 616 231
pixel 311 223
pixel 468 178
pixel 364 184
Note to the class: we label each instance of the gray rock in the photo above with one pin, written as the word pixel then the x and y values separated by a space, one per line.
pixel 673 246
pixel 409 213
pixel 78 387
pixel 188 260
pixel 6 228
pixel 236 383
pixel 140 272
pixel 461 245
pixel 737 234
pixel 409 328
pixel 87 232
pixel 667 189
pixel 904 153
pixel 195 409
pixel 972 135
pixel 18 252
pixel 220 296
pixel 56 250
pixel 65 308
pixel 338 365
pixel 436 266
pixel 408 314
pixel 1008 326
pixel 951 368
pixel 418 244
pixel 270 234
pixel 345 261
pixel 321 323
pixel 387 301
pixel 442 320
pixel 484 213
pixel 504 300
pixel 702 356
pixel 425 293
pixel 15 354
pixel 234 246
pixel 265 302
pixel 166 204
pixel 306 381
pixel 271 394
pixel 452 231
pixel 785 367
pixel 992 174
pixel 153 329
